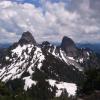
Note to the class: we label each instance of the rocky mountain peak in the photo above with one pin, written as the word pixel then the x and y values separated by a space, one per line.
pixel 66 42
pixel 69 46
pixel 27 38
pixel 45 43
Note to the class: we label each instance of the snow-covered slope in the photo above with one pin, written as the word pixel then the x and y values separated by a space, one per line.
pixel 69 87
pixel 25 59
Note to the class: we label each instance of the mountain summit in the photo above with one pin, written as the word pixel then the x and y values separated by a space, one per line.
pixel 27 38
pixel 69 46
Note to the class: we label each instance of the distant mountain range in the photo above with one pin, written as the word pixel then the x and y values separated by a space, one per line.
pixel 4 45
pixel 94 47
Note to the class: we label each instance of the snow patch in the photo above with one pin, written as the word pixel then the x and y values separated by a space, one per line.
pixel 69 87
pixel 7 58
pixel 28 83
pixel 39 65
pixel 81 60
pixel 71 58
pixel 88 53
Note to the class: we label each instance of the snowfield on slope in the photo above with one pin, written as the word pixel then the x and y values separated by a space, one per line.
pixel 69 87
pixel 20 62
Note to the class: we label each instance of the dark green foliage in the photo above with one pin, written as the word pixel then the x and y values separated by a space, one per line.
pixel 3 90
pixel 15 85
pixel 91 83
pixel 5 93
pixel 39 75
pixel 42 91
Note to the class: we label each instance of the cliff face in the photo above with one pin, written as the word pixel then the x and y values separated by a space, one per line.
pixel 27 38
pixel 69 46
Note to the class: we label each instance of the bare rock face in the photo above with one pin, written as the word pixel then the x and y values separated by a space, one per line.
pixel 27 38
pixel 69 46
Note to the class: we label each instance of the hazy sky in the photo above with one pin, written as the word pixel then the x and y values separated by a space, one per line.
pixel 50 20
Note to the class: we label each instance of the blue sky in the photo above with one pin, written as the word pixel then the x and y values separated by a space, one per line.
pixel 36 2
pixel 50 19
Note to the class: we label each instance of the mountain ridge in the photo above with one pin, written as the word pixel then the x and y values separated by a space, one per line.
pixel 34 63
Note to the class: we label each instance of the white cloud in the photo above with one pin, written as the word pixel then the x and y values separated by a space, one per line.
pixel 53 20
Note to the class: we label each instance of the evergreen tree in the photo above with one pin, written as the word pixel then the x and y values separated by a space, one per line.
pixel 91 82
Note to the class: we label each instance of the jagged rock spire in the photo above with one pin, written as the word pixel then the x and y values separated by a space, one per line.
pixel 69 46
pixel 67 42
pixel 27 38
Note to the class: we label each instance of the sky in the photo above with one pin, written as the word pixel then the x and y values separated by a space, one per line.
pixel 50 20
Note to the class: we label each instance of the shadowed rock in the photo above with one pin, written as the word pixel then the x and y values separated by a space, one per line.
pixel 69 46
pixel 27 38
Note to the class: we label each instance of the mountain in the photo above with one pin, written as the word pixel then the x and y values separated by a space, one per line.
pixel 95 47
pixel 4 45
pixel 27 38
pixel 69 46
pixel 29 67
